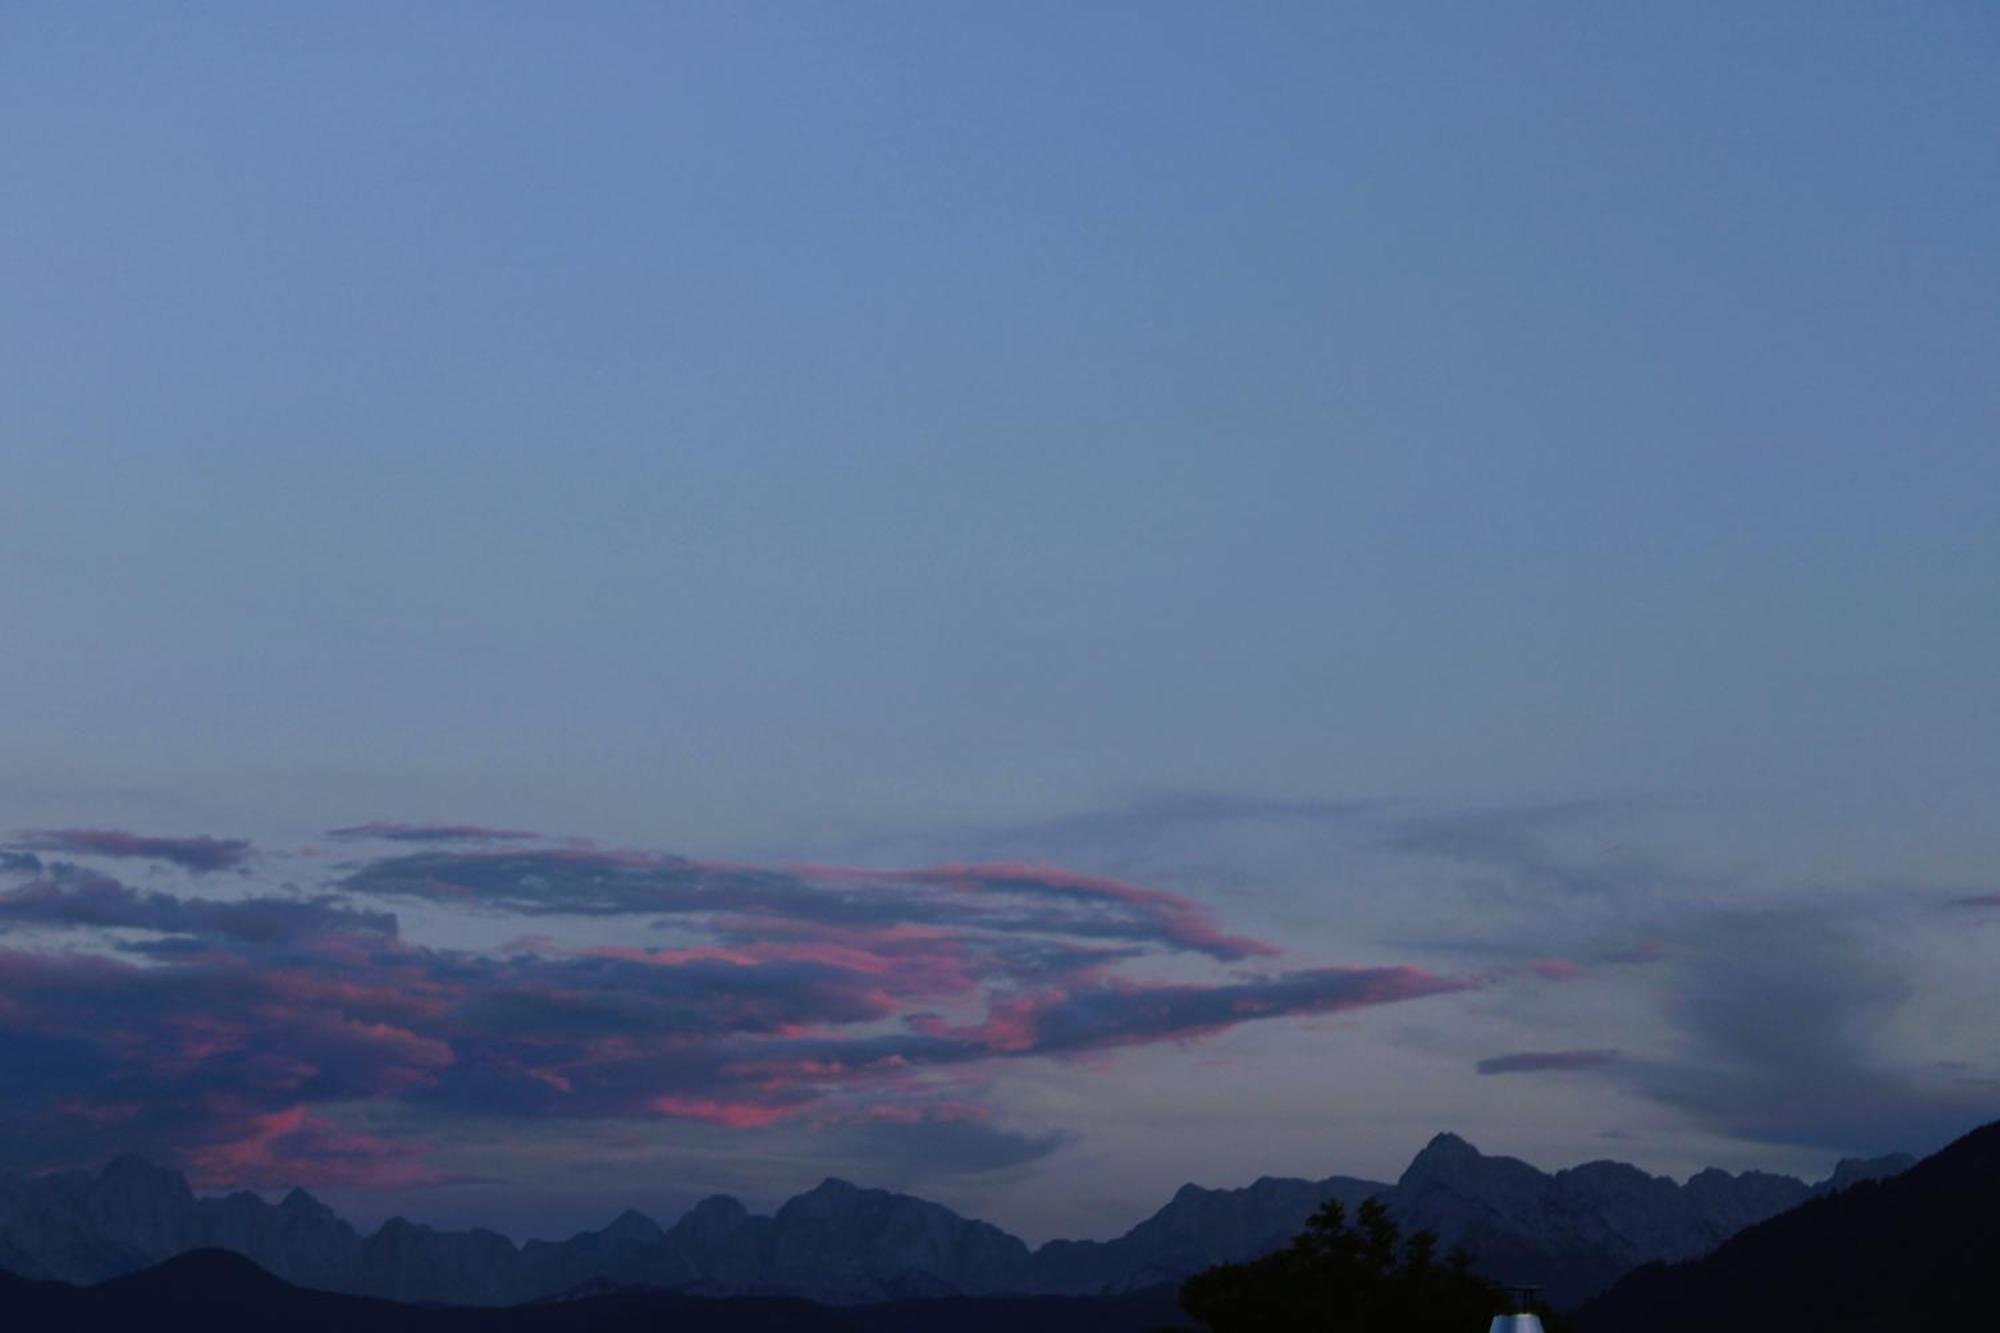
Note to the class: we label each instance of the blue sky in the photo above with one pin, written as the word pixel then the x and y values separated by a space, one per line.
pixel 1412 479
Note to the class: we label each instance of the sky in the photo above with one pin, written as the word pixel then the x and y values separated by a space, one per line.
pixel 1021 602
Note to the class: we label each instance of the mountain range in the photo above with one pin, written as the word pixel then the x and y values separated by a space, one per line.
pixel 1915 1251
pixel 1572 1232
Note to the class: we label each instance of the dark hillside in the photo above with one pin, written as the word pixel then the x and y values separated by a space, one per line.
pixel 1914 1251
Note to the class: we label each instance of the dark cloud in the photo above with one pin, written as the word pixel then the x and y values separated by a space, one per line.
pixel 198 854
pixel 1788 1018
pixel 67 896
pixel 732 1058
pixel 1112 1014
pixel 392 831
pixel 1978 900
pixel 903 1151
pixel 1784 1018
pixel 575 882
pixel 1533 1062
pixel 1005 897
pixel 19 863
pixel 1131 826
pixel 1645 951
pixel 192 1061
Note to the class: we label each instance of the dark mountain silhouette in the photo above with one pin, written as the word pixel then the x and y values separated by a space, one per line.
pixel 1915 1251
pixel 215 1291
pixel 839 1244
pixel 1198 1229
pixel 1572 1233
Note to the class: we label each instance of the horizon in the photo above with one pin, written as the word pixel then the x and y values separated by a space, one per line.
pixel 276 1194
pixel 1020 604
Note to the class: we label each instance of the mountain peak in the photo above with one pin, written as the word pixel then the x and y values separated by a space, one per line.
pixel 719 1205
pixel 633 1225
pixel 1446 1142
pixel 1853 1170
pixel 204 1270
pixel 131 1166
pixel 134 1174
pixel 301 1201
pixel 401 1228
pixel 1445 1155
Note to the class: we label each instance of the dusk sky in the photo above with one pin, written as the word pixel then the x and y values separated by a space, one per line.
pixel 1022 602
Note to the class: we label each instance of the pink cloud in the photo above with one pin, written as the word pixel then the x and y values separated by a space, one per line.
pixel 293 1146
pixel 784 997
pixel 736 1115
pixel 1179 919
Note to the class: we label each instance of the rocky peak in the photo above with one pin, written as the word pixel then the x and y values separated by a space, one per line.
pixel 301 1204
pixel 632 1227
pixel 1853 1170
pixel 399 1230
pixel 836 1198
pixel 1449 1162
pixel 717 1208
pixel 1446 1155
pixel 129 1176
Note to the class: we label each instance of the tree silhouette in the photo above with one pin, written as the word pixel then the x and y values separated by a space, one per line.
pixel 1365 1279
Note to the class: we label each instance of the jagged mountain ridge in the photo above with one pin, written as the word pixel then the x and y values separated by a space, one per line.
pixel 1913 1251
pixel 1574 1231
pixel 1197 1229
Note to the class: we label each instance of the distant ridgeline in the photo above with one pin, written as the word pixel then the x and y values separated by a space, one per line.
pixel 1573 1233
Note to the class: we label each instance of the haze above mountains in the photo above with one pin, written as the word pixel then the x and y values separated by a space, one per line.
pixel 1573 1232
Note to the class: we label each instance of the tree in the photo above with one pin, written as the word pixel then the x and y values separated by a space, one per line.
pixel 1365 1279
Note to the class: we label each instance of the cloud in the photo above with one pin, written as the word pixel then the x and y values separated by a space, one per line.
pixel 392 831
pixel 1005 898
pixel 903 1147
pixel 190 1059
pixel 197 854
pixel 1115 1013
pixel 861 1005
pixel 1786 1016
pixel 1126 830
pixel 295 1147
pixel 1172 919
pixel 1534 1062
pixel 1513 847
pixel 71 897
pixel 1978 900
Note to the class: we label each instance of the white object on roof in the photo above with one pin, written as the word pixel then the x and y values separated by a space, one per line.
pixel 1514 1323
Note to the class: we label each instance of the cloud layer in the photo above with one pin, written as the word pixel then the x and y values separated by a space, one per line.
pixel 1541 1062
pixel 197 854
pixel 245 1037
